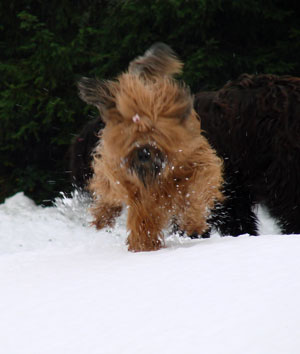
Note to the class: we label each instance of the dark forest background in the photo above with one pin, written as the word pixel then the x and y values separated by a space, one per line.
pixel 45 46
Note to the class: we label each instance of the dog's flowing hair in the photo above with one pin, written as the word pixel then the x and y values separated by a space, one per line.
pixel 151 156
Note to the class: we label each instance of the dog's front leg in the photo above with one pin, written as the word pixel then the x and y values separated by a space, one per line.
pixel 145 229
pixel 105 214
pixel 197 205
pixel 194 221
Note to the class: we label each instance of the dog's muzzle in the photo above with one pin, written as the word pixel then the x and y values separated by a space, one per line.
pixel 147 163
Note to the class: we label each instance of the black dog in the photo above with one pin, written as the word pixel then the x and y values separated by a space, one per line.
pixel 254 124
pixel 81 152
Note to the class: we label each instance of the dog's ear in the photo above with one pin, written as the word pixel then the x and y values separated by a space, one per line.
pixel 159 60
pixel 99 93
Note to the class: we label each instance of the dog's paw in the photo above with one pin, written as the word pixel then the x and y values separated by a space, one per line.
pixel 136 244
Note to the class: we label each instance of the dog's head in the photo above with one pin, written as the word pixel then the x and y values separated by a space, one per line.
pixel 149 116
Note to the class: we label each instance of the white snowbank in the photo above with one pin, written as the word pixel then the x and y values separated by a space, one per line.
pixel 66 288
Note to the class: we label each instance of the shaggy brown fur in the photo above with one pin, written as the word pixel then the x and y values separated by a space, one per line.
pixel 151 156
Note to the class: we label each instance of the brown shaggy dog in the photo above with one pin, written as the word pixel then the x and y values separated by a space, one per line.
pixel 151 156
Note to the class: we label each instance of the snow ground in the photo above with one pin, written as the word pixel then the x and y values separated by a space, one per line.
pixel 66 288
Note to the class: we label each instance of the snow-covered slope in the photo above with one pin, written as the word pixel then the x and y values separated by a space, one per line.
pixel 66 288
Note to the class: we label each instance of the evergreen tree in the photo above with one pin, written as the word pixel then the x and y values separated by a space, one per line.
pixel 46 46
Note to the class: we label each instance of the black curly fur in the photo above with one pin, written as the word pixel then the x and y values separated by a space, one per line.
pixel 254 124
pixel 81 152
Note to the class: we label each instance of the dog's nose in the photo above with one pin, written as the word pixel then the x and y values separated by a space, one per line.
pixel 144 154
